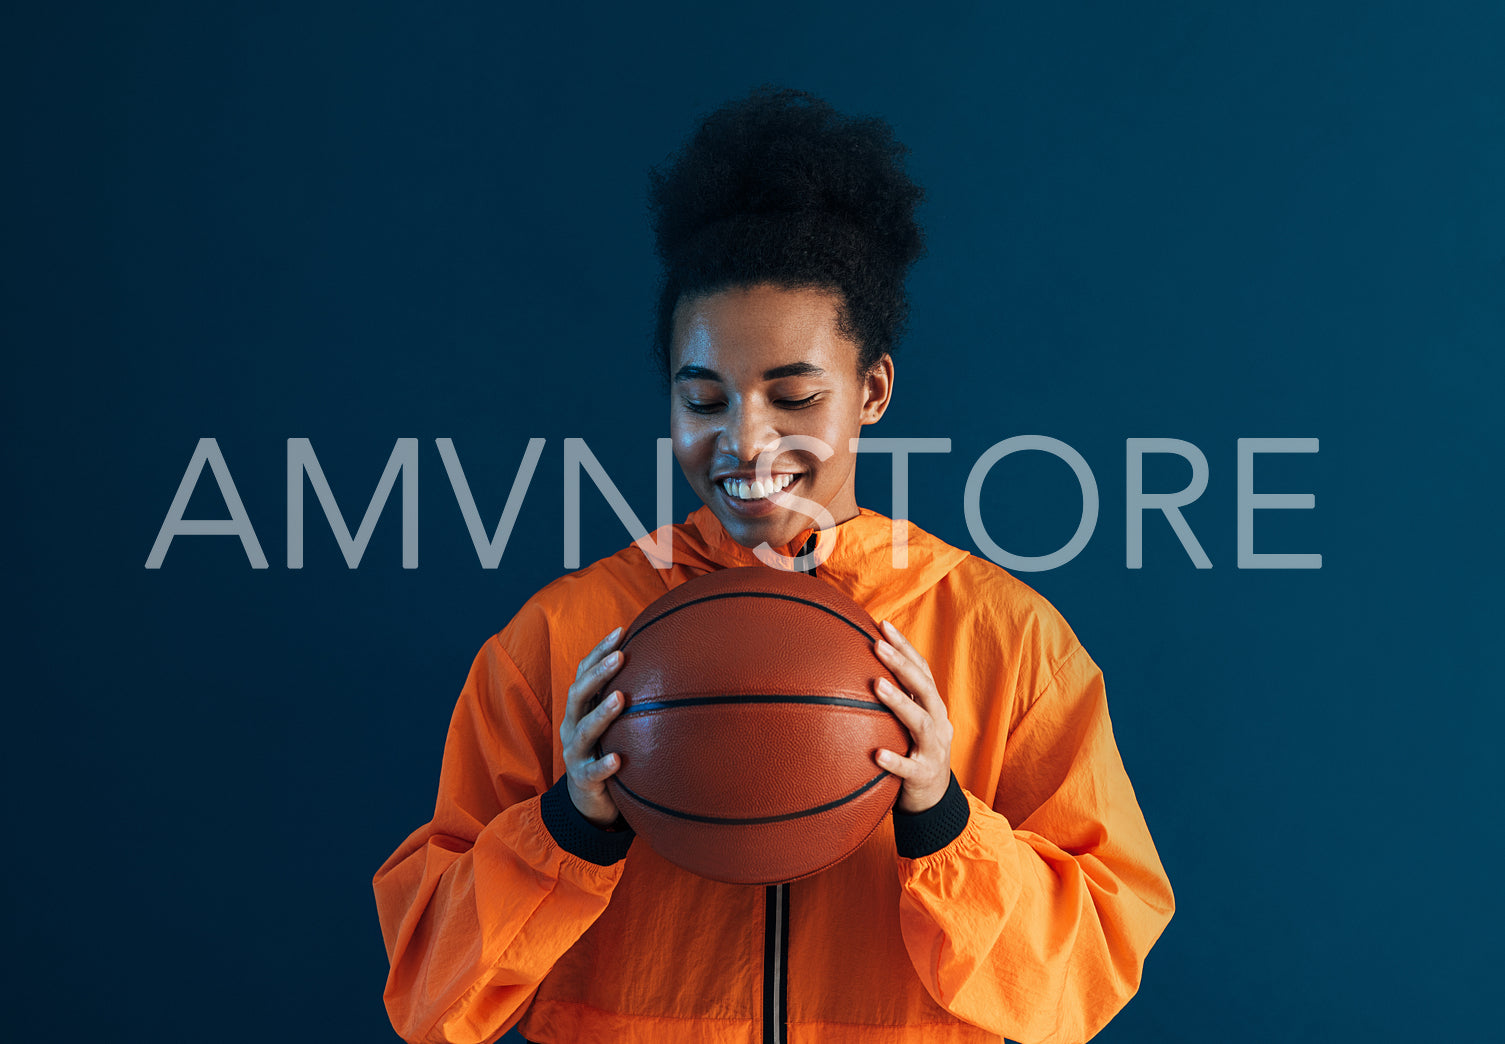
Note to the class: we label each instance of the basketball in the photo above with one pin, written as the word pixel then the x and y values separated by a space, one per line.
pixel 750 725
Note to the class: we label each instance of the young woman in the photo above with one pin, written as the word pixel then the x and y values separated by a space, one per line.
pixel 1015 890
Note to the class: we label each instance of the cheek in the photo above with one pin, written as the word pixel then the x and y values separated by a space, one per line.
pixel 690 441
pixel 836 430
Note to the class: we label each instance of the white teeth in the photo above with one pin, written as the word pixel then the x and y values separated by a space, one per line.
pixel 744 490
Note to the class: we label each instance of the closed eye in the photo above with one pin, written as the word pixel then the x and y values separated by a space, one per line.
pixel 798 404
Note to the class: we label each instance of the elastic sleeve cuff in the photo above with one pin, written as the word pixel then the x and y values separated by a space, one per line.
pixel 579 836
pixel 925 833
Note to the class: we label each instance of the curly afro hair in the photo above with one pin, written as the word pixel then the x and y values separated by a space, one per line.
pixel 780 188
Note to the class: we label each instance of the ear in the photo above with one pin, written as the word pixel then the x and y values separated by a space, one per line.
pixel 878 388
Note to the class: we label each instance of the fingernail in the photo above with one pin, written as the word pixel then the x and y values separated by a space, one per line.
pixel 884 647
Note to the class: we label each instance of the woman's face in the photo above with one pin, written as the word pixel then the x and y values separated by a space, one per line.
pixel 751 366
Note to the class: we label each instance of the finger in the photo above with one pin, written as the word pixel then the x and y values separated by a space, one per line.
pixel 910 714
pixel 588 684
pixel 898 764
pixel 594 656
pixel 913 677
pixel 896 637
pixel 601 673
pixel 602 769
pixel 594 724
pixel 582 688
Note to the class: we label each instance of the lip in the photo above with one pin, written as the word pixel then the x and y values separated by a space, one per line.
pixel 760 508
pixel 749 475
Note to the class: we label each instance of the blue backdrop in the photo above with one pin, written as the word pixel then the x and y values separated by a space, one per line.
pixel 359 222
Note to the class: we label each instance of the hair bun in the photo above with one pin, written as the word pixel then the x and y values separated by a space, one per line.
pixel 780 187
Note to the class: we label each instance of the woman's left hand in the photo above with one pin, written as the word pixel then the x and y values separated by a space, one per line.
pixel 926 772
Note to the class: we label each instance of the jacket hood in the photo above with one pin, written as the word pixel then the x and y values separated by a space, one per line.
pixel 856 557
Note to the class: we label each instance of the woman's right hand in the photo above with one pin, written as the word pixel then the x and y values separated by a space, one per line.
pixel 580 730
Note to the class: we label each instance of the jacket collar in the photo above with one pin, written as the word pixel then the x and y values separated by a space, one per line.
pixel 857 557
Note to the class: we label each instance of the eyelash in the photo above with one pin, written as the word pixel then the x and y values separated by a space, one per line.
pixel 788 404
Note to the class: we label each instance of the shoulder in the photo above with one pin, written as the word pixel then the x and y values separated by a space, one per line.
pixel 993 597
pixel 1008 625
pixel 562 621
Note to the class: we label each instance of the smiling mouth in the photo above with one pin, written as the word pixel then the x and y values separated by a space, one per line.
pixel 741 489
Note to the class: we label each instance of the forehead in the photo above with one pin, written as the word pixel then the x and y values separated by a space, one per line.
pixel 743 332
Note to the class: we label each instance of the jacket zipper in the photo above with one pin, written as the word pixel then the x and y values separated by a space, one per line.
pixel 776 965
pixel 776 938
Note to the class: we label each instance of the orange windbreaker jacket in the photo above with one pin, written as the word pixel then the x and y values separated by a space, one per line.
pixel 1024 907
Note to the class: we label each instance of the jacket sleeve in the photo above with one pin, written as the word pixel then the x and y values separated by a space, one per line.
pixel 477 905
pixel 1032 917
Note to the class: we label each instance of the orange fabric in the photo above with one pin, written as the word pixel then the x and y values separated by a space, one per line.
pixel 1033 924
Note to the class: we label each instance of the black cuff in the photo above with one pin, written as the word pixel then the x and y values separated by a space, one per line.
pixel 925 833
pixel 577 835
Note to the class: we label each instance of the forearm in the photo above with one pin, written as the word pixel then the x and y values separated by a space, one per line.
pixel 1019 936
pixel 473 928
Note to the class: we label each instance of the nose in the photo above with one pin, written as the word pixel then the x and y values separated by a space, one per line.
pixel 748 431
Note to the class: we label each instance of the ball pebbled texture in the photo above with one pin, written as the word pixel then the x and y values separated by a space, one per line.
pixel 750 726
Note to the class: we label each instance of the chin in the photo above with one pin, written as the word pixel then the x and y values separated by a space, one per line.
pixel 752 522
pixel 752 532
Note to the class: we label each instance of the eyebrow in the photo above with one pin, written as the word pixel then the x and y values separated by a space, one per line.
pixel 701 373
